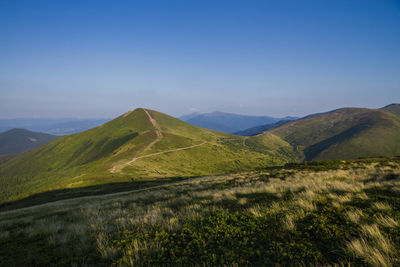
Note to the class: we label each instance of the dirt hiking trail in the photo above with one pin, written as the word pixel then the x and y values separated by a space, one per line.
pixel 119 166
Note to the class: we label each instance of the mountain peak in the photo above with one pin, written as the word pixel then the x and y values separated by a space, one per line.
pixel 23 132
pixel 393 108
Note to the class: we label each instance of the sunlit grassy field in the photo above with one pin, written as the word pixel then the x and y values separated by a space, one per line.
pixel 321 213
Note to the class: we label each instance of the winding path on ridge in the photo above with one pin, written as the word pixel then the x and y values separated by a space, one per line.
pixel 158 133
pixel 119 167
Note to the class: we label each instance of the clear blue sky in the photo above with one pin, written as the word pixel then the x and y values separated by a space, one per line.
pixel 101 58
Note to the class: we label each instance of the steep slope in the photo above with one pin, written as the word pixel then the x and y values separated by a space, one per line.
pixel 343 134
pixel 141 144
pixel 19 140
pixel 227 122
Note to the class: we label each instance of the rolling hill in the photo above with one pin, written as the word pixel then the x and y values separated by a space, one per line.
pixel 392 108
pixel 139 145
pixel 344 134
pixel 19 140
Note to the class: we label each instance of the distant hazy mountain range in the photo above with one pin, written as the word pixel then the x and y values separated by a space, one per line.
pixel 56 126
pixel 19 140
pixel 260 129
pixel 229 122
pixel 218 121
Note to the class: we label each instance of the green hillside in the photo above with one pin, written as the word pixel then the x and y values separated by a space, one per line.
pixel 139 145
pixel 343 134
pixel 19 140
pixel 392 108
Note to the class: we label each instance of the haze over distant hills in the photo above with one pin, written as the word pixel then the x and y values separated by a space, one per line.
pixel 19 140
pixel 260 129
pixel 229 122
pixel 140 144
pixel 56 126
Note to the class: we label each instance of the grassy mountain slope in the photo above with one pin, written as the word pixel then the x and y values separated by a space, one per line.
pixel 392 108
pixel 343 134
pixel 19 140
pixel 141 144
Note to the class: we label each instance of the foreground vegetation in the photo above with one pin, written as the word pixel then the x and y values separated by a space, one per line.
pixel 320 213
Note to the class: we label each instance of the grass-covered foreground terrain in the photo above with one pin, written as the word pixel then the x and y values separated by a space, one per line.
pixel 321 213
